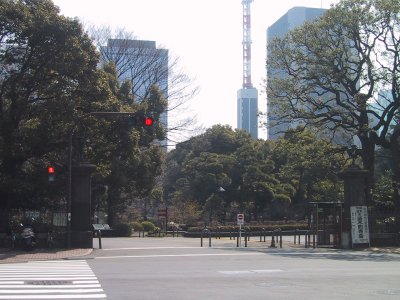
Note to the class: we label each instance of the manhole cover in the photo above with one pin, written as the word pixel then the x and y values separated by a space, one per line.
pixel 391 292
pixel 388 292
pixel 48 282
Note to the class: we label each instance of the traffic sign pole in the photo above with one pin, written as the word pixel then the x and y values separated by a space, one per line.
pixel 240 222
pixel 240 235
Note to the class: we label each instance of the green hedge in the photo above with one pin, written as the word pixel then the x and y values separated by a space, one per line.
pixel 122 230
pixel 136 226
pixel 268 227
pixel 148 226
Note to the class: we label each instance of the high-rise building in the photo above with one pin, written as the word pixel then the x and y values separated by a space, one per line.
pixel 247 110
pixel 295 17
pixel 141 63
pixel 247 96
pixel 385 98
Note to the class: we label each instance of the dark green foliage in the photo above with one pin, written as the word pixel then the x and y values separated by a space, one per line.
pixel 49 85
pixel 263 179
pixel 122 230
pixel 48 75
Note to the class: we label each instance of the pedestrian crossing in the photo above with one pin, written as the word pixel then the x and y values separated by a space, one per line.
pixel 72 279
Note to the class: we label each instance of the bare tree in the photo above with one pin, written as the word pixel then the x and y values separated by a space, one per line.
pixel 143 64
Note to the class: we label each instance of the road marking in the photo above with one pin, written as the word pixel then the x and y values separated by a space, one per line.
pixel 333 253
pixel 150 248
pixel 34 286
pixel 246 272
pixel 92 296
pixel 180 255
pixel 49 280
pixel 67 291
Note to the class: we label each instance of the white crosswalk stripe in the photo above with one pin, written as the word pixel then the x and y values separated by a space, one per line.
pixel 72 279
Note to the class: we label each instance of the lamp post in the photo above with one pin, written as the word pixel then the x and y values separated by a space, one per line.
pixel 218 190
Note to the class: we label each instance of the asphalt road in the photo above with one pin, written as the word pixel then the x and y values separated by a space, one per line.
pixel 178 269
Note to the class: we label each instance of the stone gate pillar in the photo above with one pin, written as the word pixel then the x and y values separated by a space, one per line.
pixel 81 227
pixel 355 194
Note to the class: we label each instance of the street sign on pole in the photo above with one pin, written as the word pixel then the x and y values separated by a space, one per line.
pixel 162 212
pixel 240 222
pixel 240 219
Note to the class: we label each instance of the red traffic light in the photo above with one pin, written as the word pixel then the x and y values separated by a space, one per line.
pixel 148 121
pixel 51 172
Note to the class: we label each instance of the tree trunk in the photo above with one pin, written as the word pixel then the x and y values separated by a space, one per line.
pixel 395 149
pixel 368 159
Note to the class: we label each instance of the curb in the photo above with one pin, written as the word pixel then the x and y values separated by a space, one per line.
pixel 41 254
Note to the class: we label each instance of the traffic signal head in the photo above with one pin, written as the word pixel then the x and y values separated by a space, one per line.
pixel 148 121
pixel 51 172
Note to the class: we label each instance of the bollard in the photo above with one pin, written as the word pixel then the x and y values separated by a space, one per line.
pixel 209 238
pixel 260 237
pixel 264 234
pixel 99 235
pixel 299 237
pixel 313 239
pixel 305 241
pixel 273 240
pixel 295 233
pixel 280 240
pixel 237 239
pixel 246 235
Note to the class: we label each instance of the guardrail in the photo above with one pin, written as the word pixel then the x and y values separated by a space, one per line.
pixel 276 236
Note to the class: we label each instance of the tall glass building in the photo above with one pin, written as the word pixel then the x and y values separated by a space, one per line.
pixel 141 63
pixel 295 17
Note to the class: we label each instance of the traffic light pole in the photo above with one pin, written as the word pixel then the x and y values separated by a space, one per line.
pixel 69 196
pixel 70 152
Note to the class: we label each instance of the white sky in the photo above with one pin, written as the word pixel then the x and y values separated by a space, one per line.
pixel 205 34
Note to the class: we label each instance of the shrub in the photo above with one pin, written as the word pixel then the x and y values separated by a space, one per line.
pixel 136 226
pixel 148 226
pixel 122 229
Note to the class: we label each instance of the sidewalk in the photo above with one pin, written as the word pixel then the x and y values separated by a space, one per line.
pixel 16 256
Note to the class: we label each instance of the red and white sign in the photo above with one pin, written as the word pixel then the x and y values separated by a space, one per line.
pixel 240 219
pixel 162 212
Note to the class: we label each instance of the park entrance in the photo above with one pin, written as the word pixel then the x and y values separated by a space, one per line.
pixel 325 219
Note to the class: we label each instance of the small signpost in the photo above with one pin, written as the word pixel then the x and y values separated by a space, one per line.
pixel 240 219
pixel 162 212
pixel 240 222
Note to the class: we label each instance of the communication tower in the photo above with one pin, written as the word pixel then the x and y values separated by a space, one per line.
pixel 247 44
pixel 247 96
